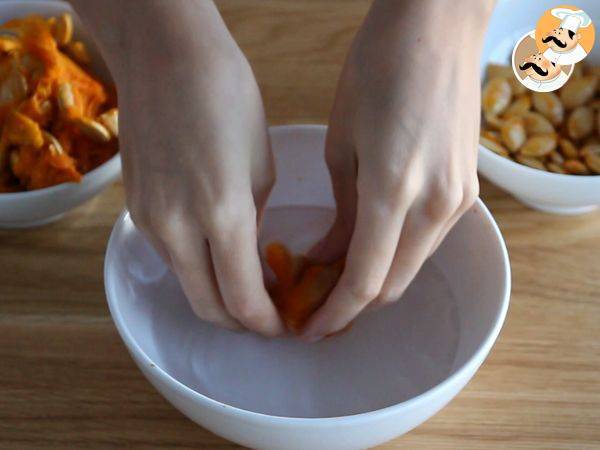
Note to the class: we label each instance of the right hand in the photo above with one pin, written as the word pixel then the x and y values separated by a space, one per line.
pixel 198 170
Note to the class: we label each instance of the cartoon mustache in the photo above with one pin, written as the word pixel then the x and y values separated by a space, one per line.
pixel 556 41
pixel 535 67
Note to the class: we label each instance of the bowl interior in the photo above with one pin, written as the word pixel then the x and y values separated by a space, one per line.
pixel 387 357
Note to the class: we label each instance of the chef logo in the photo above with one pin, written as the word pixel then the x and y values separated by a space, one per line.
pixel 543 59
pixel 534 70
pixel 565 35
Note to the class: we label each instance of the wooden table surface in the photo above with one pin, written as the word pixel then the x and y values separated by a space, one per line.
pixel 66 380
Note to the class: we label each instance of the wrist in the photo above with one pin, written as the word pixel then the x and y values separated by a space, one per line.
pixel 456 27
pixel 162 35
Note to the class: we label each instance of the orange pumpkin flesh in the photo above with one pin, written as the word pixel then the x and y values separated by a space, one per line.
pixel 302 286
pixel 26 162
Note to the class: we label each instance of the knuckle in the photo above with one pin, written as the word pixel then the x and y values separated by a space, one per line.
pixel 387 197
pixel 222 219
pixel 470 193
pixel 388 298
pixel 362 292
pixel 247 313
pixel 444 199
pixel 139 216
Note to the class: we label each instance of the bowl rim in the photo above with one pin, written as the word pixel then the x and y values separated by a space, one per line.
pixel 472 362
pixel 57 188
pixel 530 171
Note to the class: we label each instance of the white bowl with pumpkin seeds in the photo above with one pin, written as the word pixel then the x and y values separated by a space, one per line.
pixel 544 149
pixel 41 206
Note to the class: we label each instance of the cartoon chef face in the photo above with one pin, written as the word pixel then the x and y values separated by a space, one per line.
pixel 539 68
pixel 561 39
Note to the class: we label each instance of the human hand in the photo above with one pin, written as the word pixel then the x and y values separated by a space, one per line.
pixel 401 150
pixel 197 163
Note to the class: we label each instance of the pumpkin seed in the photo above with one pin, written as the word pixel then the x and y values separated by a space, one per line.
pixel 110 119
pixel 14 88
pixel 513 133
pixel 493 146
pixel 555 157
pixel 578 91
pixel 504 71
pixel 496 96
pixel 591 156
pixel 540 145
pixel 519 107
pixel 575 167
pixel 535 123
pixel 9 44
pixel 65 96
pixel 93 129
pixel 554 167
pixel 53 144
pixel 530 162
pixel 568 149
pixel 549 105
pixel 21 130
pixel 78 51
pixel 62 29
pixel 492 135
pixel 493 122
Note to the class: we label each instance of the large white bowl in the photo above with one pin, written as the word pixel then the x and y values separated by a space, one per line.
pixel 545 191
pixel 394 369
pixel 33 208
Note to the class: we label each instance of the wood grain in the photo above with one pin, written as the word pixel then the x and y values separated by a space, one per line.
pixel 66 381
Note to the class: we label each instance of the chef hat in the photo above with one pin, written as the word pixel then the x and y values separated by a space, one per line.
pixel 572 20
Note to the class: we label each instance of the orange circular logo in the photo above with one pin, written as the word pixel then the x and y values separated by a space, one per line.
pixel 565 34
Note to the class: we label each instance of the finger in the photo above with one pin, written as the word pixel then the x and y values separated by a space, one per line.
pixel 262 185
pixel 421 231
pixel 333 246
pixel 192 265
pixel 156 243
pixel 341 162
pixel 470 195
pixel 160 248
pixel 368 261
pixel 234 251
pixel 445 230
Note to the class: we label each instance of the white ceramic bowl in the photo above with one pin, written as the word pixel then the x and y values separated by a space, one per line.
pixel 33 208
pixel 545 191
pixel 394 369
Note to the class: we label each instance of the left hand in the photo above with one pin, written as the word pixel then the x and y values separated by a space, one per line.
pixel 402 153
